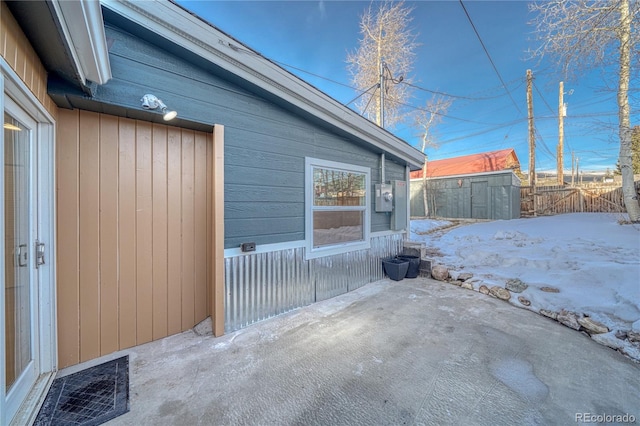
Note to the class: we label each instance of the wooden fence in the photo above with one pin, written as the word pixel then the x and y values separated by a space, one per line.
pixel 550 200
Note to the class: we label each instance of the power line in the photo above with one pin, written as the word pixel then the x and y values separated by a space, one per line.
pixel 251 52
pixel 415 107
pixel 597 151
pixel 362 94
pixel 543 99
pixel 424 89
pixel 370 99
pixel 504 85
pixel 585 115
pixel 438 113
pixel 490 145
pixel 470 98
pixel 480 132
pixel 544 144
pixel 489 57
pixel 315 75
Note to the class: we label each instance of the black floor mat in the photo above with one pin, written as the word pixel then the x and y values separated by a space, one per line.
pixel 89 397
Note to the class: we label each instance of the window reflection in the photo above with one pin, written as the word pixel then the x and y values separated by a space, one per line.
pixel 338 188
pixel 335 227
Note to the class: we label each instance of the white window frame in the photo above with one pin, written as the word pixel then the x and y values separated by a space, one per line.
pixel 12 86
pixel 312 252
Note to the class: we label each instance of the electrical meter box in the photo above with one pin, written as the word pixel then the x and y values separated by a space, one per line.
pixel 384 197
pixel 399 217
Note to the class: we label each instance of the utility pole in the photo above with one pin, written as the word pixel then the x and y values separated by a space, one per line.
pixel 532 135
pixel 383 80
pixel 573 162
pixel 380 117
pixel 561 114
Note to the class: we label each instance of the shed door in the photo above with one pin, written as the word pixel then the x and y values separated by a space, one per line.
pixel 479 200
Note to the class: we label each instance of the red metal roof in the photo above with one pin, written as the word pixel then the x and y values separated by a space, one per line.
pixel 476 163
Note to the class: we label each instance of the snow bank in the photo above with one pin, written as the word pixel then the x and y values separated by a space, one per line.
pixel 590 258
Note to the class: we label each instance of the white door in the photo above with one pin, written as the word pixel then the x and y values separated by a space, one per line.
pixel 20 259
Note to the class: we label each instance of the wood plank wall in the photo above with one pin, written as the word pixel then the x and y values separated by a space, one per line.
pixel 133 224
pixel 17 51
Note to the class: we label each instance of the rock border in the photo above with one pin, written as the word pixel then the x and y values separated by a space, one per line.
pixel 581 322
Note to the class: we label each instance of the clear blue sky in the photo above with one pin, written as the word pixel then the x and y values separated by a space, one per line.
pixel 312 38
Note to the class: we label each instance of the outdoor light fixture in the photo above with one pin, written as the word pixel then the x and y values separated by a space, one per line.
pixel 152 102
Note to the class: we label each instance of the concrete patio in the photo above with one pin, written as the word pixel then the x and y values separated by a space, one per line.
pixel 411 352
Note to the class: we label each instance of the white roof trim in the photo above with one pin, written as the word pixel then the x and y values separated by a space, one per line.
pixel 192 33
pixel 82 26
pixel 466 175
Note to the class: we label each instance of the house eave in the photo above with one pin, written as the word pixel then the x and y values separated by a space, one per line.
pixel 82 25
pixel 168 20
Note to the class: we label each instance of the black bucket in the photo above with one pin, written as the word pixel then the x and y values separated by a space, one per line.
pixel 414 265
pixel 395 268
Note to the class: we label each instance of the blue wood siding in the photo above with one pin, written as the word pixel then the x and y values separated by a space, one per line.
pixel 265 144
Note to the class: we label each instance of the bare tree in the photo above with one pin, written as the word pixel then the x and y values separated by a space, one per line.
pixel 386 44
pixel 426 120
pixel 583 34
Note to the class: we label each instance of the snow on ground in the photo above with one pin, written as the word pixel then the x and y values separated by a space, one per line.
pixel 591 258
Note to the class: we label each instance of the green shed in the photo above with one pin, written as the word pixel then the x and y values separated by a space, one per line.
pixel 490 195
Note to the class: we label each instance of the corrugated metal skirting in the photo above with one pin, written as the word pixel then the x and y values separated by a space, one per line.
pixel 259 286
